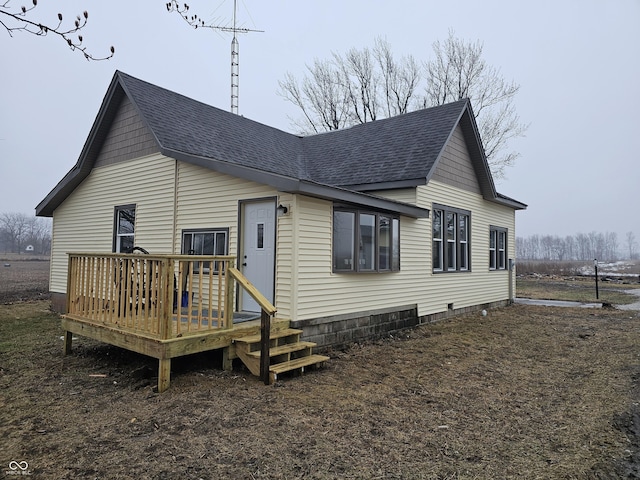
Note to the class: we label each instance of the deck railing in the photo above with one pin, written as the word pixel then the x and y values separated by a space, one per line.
pixel 158 296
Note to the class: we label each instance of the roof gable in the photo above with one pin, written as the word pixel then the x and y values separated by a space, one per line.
pixel 455 166
pixel 343 164
pixel 128 137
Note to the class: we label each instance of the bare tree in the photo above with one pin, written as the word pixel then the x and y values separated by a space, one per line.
pixel 632 245
pixel 364 85
pixel 400 79
pixel 581 247
pixel 360 82
pixel 358 87
pixel 459 71
pixel 21 20
pixel 323 102
pixel 18 230
pixel 38 234
pixel 13 227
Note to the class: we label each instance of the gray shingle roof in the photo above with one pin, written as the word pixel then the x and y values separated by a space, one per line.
pixel 335 164
pixel 181 124
pixel 394 149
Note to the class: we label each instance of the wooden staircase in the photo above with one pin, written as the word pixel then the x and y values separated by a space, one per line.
pixel 287 353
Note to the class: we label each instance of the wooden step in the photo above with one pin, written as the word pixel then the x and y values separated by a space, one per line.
pixel 286 348
pixel 285 332
pixel 298 363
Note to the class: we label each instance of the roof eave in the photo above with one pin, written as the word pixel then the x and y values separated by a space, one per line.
pixel 394 185
pixel 509 202
pixel 294 185
pixel 361 199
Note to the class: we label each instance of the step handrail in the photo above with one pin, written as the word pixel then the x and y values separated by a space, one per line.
pixel 268 310
pixel 244 282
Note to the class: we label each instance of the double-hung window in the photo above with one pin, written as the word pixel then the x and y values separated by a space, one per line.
pixel 205 242
pixel 463 242
pixel 365 241
pixel 450 239
pixel 497 248
pixel 124 229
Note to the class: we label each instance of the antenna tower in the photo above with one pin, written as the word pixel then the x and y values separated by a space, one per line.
pixel 235 66
pixel 196 22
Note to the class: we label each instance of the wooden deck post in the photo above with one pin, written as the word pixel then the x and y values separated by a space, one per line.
pixel 68 340
pixel 265 341
pixel 229 307
pixel 166 289
pixel 164 374
pixel 227 358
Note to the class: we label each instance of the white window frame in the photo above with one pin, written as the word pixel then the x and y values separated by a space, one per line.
pixel 452 244
pixel 437 243
pixel 498 238
pixel 119 235
pixel 463 242
pixel 449 255
pixel 217 250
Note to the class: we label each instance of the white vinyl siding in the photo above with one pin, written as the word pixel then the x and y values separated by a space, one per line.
pixel 207 199
pixel 286 252
pixel 305 286
pixel 405 195
pixel 323 293
pixel 480 285
pixel 84 221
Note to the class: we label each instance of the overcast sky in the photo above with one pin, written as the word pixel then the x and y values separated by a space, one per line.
pixel 577 62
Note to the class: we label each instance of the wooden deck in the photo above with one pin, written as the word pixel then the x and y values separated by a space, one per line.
pixel 162 306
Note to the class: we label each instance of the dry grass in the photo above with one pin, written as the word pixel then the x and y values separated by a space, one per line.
pixel 525 392
pixel 579 289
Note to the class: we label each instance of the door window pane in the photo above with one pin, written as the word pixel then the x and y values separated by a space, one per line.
pixel 260 236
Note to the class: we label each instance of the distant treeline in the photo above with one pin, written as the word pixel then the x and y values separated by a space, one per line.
pixel 605 247
pixel 21 233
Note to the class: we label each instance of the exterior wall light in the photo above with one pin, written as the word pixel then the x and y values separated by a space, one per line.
pixel 282 210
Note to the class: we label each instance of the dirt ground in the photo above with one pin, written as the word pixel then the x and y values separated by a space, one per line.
pixel 23 277
pixel 525 392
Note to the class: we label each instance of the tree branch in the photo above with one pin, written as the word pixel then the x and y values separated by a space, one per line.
pixel 23 24
pixel 197 22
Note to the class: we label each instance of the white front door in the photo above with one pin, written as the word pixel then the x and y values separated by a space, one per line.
pixel 257 256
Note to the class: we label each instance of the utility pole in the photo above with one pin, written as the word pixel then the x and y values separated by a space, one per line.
pixel 595 266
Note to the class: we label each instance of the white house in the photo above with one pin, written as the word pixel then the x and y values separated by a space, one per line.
pixel 350 233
